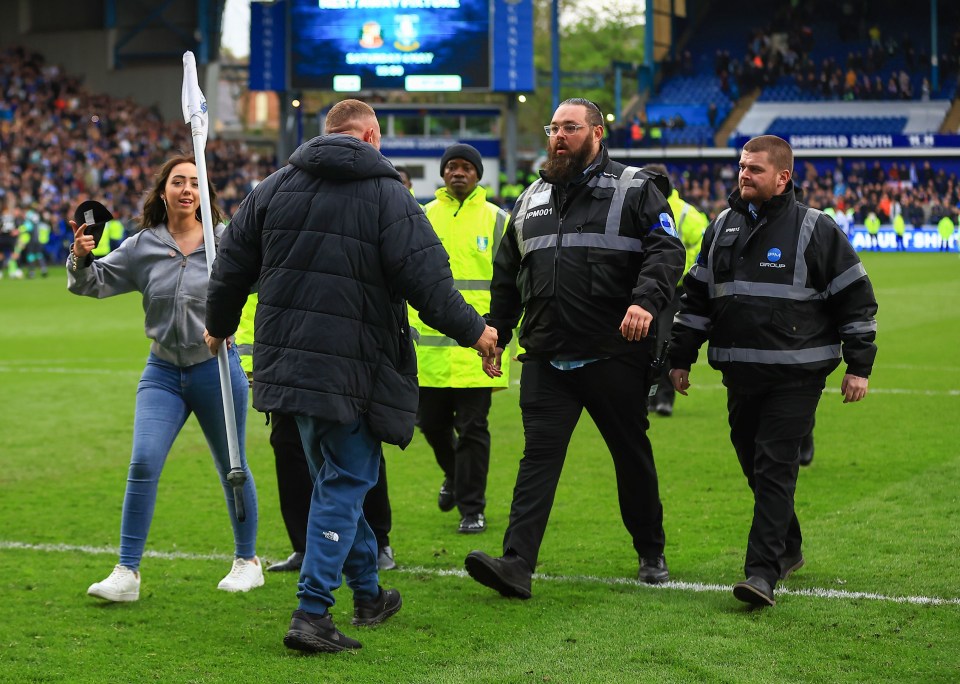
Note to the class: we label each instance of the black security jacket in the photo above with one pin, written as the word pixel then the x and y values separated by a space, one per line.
pixel 574 258
pixel 337 244
pixel 779 298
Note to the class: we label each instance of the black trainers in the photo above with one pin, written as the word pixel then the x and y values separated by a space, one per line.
pixel 314 633
pixel 292 564
pixel 790 563
pixel 756 591
pixel 385 559
pixel 446 500
pixel 472 524
pixel 369 613
pixel 653 570
pixel 509 575
pixel 806 450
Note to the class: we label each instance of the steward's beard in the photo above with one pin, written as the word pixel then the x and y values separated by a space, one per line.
pixel 564 168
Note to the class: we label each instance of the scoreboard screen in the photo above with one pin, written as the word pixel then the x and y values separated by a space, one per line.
pixel 413 45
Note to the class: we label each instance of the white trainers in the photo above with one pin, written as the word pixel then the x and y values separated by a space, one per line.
pixel 123 584
pixel 244 575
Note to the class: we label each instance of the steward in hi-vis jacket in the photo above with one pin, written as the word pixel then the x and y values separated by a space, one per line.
pixel 455 394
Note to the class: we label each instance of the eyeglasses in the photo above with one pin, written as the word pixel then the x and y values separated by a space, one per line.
pixel 568 129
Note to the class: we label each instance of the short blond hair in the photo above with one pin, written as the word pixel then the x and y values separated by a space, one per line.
pixel 778 149
pixel 347 116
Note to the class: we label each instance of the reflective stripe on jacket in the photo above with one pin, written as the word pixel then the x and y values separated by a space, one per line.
pixel 574 258
pixel 779 298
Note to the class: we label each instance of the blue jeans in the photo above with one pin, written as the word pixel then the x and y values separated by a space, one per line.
pixel 345 463
pixel 166 396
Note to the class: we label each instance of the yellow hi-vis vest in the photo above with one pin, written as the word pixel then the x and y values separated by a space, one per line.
pixel 471 234
pixel 244 335
pixel 691 225
pixel 945 228
pixel 899 225
pixel 112 232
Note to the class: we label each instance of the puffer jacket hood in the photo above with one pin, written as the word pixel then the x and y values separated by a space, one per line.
pixel 342 157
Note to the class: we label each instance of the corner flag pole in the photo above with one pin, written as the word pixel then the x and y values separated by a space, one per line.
pixel 195 114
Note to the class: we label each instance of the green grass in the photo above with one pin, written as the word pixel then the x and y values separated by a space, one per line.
pixel 879 506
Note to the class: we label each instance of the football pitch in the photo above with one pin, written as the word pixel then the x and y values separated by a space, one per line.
pixel 878 600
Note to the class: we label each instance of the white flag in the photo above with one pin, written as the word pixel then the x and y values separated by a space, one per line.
pixel 192 99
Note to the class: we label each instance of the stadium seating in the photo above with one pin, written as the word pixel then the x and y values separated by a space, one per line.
pixel 830 40
pixel 785 126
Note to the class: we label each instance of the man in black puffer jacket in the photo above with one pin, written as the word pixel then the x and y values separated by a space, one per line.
pixel 338 245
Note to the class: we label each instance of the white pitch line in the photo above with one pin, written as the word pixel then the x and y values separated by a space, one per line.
pixel 55 370
pixel 69 371
pixel 872 390
pixel 696 587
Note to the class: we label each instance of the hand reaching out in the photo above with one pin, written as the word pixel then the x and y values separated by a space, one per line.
pixel 491 364
pixel 487 344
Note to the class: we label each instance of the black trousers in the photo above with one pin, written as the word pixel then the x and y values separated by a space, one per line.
pixel 454 423
pixel 296 487
pixel 614 393
pixel 665 393
pixel 768 429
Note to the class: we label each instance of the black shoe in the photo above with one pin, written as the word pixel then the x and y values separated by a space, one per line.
pixel 292 564
pixel 446 500
pixel 472 524
pixel 385 559
pixel 653 570
pixel 369 613
pixel 754 590
pixel 790 564
pixel 806 450
pixel 664 409
pixel 314 633
pixel 510 575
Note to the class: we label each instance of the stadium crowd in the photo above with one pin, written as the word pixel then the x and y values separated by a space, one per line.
pixel 63 144
pixel 889 69
pixel 854 187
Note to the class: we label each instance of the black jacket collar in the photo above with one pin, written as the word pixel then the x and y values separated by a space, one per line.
pixel 770 209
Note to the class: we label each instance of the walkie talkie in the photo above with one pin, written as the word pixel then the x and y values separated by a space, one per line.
pixel 656 368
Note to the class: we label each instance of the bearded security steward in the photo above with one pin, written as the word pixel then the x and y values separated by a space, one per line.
pixel 455 394
pixel 338 245
pixel 589 259
pixel 781 296
pixel 691 223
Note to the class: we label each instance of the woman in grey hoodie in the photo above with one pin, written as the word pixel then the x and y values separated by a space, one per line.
pixel 165 263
